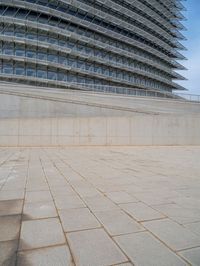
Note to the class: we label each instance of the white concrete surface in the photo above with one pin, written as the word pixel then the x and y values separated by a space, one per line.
pixel 38 117
pixel 100 197
pixel 36 102
pixel 135 130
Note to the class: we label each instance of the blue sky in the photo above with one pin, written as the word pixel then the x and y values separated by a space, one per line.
pixel 193 45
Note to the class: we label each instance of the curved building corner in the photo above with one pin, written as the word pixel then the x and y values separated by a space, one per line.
pixel 107 45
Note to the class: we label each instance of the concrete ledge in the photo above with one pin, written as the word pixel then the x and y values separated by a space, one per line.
pixel 135 130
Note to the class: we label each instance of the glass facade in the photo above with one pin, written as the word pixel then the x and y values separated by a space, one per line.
pixel 92 44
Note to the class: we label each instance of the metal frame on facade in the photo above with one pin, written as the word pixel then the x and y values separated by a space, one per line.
pixel 133 44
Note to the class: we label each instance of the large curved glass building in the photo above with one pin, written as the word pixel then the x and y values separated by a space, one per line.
pixel 95 44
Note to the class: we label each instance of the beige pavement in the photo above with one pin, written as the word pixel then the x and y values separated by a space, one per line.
pixel 100 206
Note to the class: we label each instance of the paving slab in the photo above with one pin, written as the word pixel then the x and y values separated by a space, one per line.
pixel 173 234
pixel 145 250
pixel 38 196
pixel 78 219
pixel 94 247
pixel 37 210
pixel 41 233
pixel 154 196
pixel 120 197
pixel 9 227
pixel 141 212
pixel 34 187
pixel 65 202
pixel 11 194
pixel 51 256
pixel 187 202
pixel 10 207
pixel 192 256
pixel 62 190
pixel 85 192
pixel 116 222
pixel 194 227
pixel 17 184
pixel 178 213
pixel 8 251
pixel 100 203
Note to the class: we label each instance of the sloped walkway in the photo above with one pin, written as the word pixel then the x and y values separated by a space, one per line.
pixel 100 206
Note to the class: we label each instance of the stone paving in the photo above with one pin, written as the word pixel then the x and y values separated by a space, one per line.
pixel 100 206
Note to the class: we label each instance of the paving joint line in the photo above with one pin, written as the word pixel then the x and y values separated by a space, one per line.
pixel 66 240
pixel 27 174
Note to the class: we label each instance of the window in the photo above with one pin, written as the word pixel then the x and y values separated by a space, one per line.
pixel 52 40
pixel 72 78
pixel 62 43
pixel 81 64
pixel 52 58
pixel 19 70
pixel 7 68
pixel 52 75
pixel 31 36
pixel 9 31
pixel 30 72
pixel 42 38
pixel 62 77
pixel 41 74
pixel 41 56
pixel 88 50
pixel 62 60
pixel 70 45
pixel 20 33
pixel 19 52
pixel 31 53
pixel 8 49
pixel 71 62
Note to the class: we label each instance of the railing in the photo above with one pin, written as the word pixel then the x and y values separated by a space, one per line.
pixel 127 91
pixel 91 88
pixel 189 97
pixel 146 92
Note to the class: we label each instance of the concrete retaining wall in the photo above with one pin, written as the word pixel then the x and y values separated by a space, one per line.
pixel 135 130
